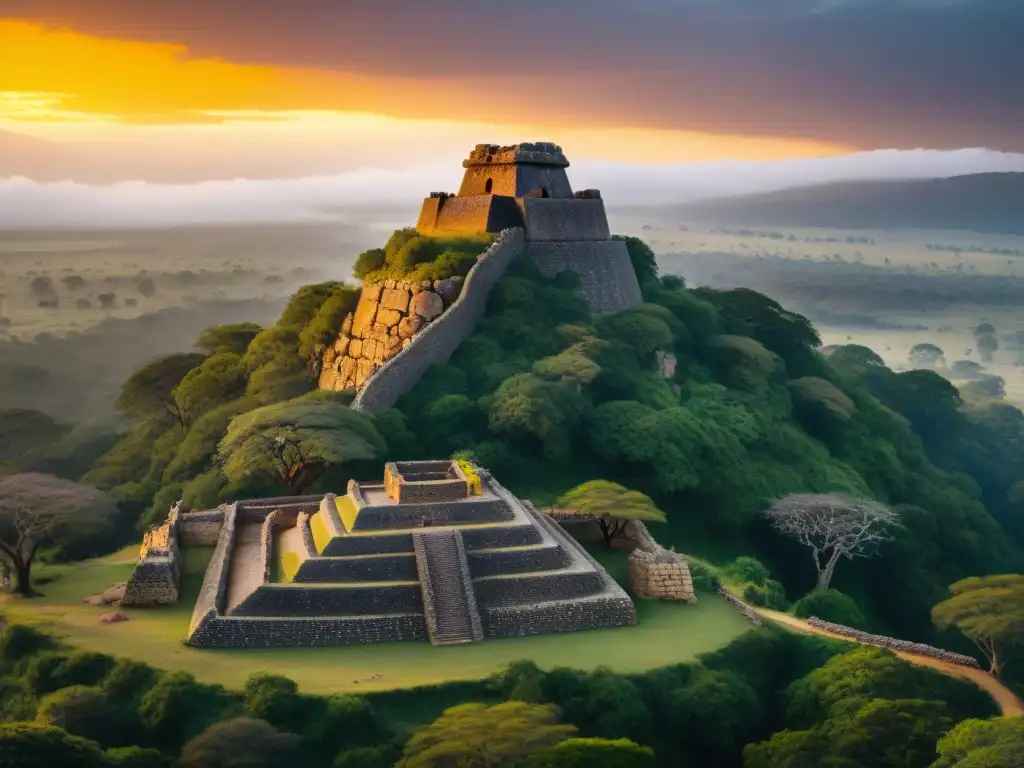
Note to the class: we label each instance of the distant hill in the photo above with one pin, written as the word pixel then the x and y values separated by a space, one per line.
pixel 983 202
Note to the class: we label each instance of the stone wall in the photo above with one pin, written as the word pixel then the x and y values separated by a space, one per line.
pixel 469 215
pixel 396 567
pixel 387 317
pixel 156 578
pixel 528 560
pixel 411 515
pixel 745 610
pixel 282 600
pixel 267 532
pixel 567 616
pixel 573 219
pixel 213 594
pixel 662 576
pixel 437 342
pixel 607 279
pixel 220 632
pixel 200 529
pixel 515 590
pixel 895 644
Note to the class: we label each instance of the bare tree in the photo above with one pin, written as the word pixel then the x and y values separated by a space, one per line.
pixel 833 525
pixel 36 507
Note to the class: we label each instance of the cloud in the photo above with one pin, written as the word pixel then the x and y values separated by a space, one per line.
pixel 391 198
pixel 866 73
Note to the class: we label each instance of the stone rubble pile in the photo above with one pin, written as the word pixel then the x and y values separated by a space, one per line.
pixel 389 314
pixel 895 644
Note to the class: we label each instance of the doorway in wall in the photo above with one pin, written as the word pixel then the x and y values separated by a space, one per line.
pixel 488 186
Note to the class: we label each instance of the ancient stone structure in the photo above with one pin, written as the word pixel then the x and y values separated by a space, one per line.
pixel 438 340
pixel 157 576
pixel 521 192
pixel 386 319
pixel 439 551
pixel 525 186
pixel 660 575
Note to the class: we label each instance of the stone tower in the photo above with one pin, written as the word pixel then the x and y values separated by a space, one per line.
pixel 526 186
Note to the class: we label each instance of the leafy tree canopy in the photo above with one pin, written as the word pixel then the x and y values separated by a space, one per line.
pixel 987 609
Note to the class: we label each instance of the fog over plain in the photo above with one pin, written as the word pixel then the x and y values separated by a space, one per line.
pixel 26 204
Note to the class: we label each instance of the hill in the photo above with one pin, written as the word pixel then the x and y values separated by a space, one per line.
pixel 984 202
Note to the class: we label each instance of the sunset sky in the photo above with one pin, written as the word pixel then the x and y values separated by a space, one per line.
pixel 285 88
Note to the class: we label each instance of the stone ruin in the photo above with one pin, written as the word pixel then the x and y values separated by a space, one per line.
pixel 389 314
pixel 521 192
pixel 157 577
pixel 660 575
pixel 438 551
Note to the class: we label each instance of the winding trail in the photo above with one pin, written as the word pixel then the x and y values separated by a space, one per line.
pixel 1009 703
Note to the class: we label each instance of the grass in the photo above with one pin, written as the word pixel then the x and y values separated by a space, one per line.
pixel 667 633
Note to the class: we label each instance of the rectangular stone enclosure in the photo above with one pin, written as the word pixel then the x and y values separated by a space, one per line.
pixel 438 551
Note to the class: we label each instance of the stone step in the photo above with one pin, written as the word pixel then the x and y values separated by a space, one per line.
pixel 448 600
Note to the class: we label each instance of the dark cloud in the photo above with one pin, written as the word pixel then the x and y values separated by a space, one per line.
pixel 871 73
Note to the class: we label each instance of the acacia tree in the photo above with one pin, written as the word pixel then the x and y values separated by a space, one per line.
pixel 612 504
pixel 149 391
pixel 36 507
pixel 987 609
pixel 295 441
pixel 833 525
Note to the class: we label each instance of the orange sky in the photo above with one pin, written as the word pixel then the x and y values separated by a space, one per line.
pixel 58 84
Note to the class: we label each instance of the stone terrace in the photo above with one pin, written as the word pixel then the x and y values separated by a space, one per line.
pixel 361 567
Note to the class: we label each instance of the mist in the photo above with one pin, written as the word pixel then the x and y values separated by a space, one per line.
pixel 379 198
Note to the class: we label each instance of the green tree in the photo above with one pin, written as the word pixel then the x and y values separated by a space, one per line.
pixel 233 337
pixel 612 504
pixel 273 698
pixel 830 605
pixel 995 743
pixel 367 262
pixel 854 358
pixel 715 711
pixel 644 263
pixel 989 610
pixel 23 429
pixel 167 708
pixel 149 391
pixel 526 405
pixel 30 745
pixel 242 743
pixel 590 753
pixel 294 442
pixel 477 736
pixel 34 508
pixel 218 380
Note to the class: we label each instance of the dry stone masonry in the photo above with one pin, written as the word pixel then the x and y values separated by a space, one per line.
pixel 895 644
pixel 157 576
pixel 425 555
pixel 387 317
pixel 663 575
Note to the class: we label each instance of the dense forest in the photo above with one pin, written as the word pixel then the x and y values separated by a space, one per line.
pixel 714 403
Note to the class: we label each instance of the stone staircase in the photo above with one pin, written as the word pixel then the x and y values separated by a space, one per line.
pixel 448 600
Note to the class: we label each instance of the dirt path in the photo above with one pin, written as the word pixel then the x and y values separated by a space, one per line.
pixel 246 565
pixel 1009 704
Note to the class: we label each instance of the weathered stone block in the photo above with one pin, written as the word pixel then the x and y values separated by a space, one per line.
pixel 366 311
pixel 409 326
pixel 388 317
pixel 372 291
pixel 426 304
pixel 355 348
pixel 396 299
pixel 447 290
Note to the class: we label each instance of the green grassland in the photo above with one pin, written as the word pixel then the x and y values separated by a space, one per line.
pixel 667 633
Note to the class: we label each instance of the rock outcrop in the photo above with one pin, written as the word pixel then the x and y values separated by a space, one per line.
pixel 387 318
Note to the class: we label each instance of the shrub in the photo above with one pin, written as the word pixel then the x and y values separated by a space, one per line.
pixel 129 679
pixel 745 570
pixel 79 710
pixel 830 605
pixel 137 757
pixel 18 641
pixel 705 577
pixel 367 262
pixel 27 745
